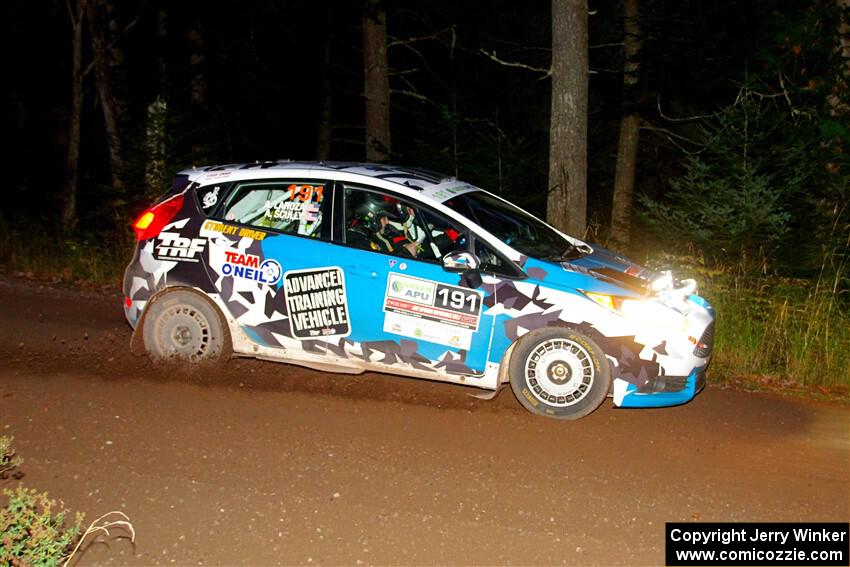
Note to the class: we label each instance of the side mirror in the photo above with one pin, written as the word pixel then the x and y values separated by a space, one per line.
pixel 460 261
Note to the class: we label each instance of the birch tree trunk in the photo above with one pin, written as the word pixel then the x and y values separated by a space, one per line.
pixel 624 177
pixel 566 204
pixel 72 162
pixel 103 82
pixel 376 82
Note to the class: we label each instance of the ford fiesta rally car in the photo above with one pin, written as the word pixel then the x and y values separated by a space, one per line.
pixel 351 267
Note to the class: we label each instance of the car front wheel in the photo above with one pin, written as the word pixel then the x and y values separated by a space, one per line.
pixel 559 373
pixel 183 324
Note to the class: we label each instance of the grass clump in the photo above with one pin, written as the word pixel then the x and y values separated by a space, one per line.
pixel 9 460
pixel 34 530
pixel 84 256
pixel 792 329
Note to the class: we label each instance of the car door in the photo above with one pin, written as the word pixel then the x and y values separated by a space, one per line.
pixel 405 308
pixel 269 233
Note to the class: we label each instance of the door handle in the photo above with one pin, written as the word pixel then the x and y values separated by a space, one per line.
pixel 355 270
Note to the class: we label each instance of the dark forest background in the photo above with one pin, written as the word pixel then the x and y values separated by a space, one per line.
pixel 741 169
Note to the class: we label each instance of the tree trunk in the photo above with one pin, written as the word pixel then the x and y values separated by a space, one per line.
pixel 198 85
pixel 567 200
pixel 376 82
pixel 162 51
pixel 69 209
pixel 624 177
pixel 155 145
pixel 844 33
pixel 155 132
pixel 103 82
pixel 323 140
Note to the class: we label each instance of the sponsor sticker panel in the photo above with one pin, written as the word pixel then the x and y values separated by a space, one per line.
pixel 317 303
pixel 431 311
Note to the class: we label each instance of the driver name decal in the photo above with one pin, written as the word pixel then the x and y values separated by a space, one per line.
pixel 317 303
pixel 431 311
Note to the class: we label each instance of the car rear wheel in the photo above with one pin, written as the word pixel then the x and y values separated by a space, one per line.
pixel 185 325
pixel 559 373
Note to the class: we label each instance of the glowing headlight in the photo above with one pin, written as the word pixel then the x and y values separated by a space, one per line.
pixel 653 313
pixel 645 311
pixel 664 281
pixel 612 302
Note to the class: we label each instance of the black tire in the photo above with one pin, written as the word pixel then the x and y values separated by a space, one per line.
pixel 559 373
pixel 183 324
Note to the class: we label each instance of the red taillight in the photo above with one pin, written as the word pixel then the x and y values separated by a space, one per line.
pixel 151 222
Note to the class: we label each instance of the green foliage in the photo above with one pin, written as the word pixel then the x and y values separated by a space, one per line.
pixel 794 329
pixel 733 201
pixel 9 460
pixel 33 531
pixel 86 256
pixel 773 165
pixel 781 329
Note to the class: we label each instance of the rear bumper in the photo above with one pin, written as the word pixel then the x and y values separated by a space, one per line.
pixel 662 391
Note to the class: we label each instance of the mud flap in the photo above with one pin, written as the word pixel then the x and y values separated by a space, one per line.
pixel 137 342
pixel 488 395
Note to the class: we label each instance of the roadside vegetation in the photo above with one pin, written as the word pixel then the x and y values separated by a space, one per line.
pixel 96 259
pixel 759 217
pixel 38 531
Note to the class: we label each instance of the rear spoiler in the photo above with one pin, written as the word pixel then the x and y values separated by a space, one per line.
pixel 179 183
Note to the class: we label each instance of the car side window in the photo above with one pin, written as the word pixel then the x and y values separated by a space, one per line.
pixel 383 223
pixel 493 262
pixel 288 207
pixel 209 196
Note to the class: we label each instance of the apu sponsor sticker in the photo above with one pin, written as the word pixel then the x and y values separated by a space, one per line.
pixel 431 311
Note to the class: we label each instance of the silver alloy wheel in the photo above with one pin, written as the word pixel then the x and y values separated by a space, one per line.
pixel 183 331
pixel 560 372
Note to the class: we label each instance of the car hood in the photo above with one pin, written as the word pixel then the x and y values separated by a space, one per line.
pixel 607 271
pixel 609 265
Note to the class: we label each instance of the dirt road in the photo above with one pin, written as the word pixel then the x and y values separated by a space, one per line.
pixel 258 463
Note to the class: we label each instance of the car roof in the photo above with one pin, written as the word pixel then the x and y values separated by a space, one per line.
pixel 411 177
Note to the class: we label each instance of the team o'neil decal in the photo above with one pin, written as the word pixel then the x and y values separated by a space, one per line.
pixel 431 311
pixel 249 267
pixel 317 303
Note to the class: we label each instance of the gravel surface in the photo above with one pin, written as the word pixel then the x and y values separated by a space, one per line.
pixel 255 463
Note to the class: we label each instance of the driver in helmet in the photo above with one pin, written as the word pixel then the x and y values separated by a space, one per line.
pixel 378 225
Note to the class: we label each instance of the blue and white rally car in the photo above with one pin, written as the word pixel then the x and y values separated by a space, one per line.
pixel 351 267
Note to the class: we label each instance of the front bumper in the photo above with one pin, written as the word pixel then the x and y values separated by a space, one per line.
pixel 662 391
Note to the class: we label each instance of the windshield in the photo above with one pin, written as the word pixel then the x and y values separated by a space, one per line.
pixel 520 230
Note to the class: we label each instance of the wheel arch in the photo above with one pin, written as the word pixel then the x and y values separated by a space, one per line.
pixel 595 350
pixel 137 343
pixel 584 328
